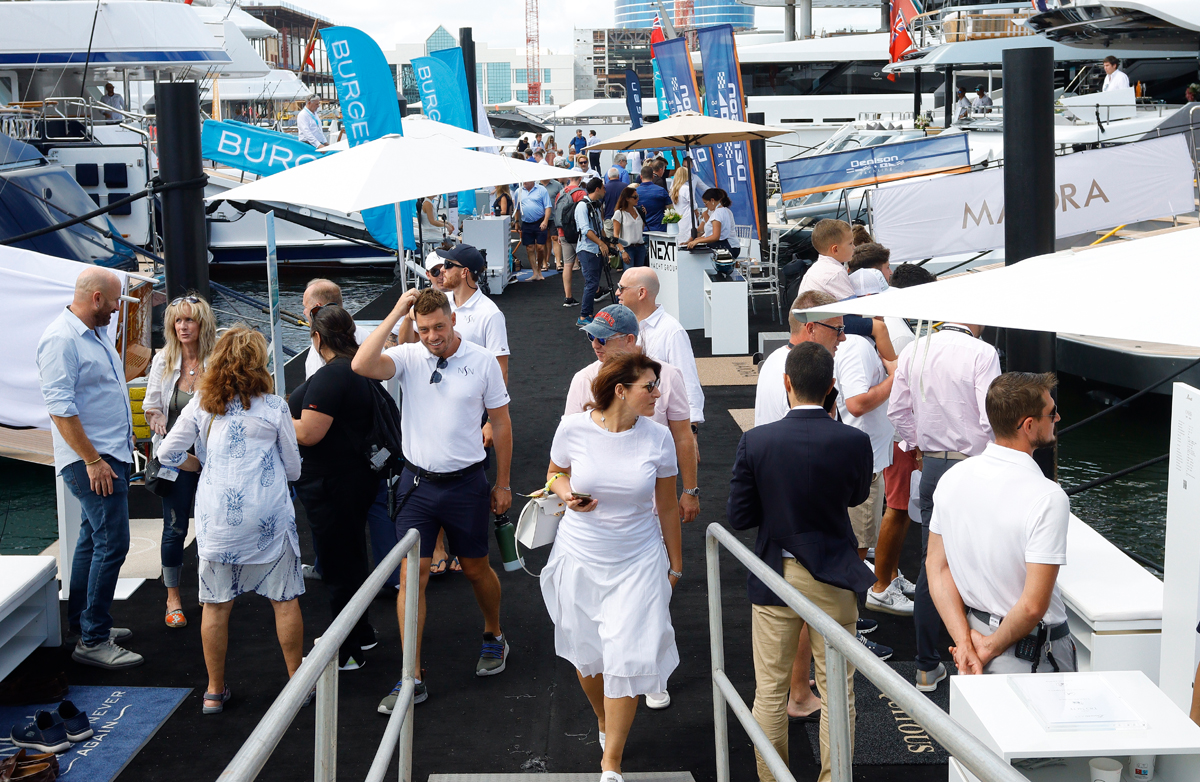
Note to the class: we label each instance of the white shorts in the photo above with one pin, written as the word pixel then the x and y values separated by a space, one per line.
pixel 280 580
pixel 613 619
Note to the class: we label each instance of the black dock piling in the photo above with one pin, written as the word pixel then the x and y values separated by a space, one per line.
pixel 185 238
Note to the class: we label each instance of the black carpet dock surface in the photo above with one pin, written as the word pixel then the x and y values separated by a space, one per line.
pixel 533 717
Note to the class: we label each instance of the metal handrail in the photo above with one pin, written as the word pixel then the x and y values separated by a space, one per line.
pixel 320 669
pixel 840 647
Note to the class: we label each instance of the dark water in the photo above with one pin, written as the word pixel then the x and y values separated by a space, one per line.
pixel 1130 511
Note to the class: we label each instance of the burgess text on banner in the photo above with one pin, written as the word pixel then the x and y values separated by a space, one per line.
pixel 723 98
pixel 1093 191
pixel 679 90
pixel 872 165
pixel 369 111
pixel 250 148
pixel 442 84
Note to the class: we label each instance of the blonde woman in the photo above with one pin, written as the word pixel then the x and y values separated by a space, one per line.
pixel 682 198
pixel 190 331
pixel 246 525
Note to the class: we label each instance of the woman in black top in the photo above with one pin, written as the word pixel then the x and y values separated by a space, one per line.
pixel 332 412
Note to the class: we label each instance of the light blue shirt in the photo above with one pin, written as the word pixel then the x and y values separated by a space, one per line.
pixel 622 174
pixel 583 221
pixel 82 375
pixel 532 203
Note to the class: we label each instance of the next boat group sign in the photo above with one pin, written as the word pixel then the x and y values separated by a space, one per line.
pixel 1094 191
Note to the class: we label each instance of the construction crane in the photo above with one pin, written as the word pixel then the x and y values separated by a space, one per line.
pixel 533 63
pixel 684 14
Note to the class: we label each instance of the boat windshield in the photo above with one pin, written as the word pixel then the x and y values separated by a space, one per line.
pixel 828 78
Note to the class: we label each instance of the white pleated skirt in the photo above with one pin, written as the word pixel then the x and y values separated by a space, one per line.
pixel 613 619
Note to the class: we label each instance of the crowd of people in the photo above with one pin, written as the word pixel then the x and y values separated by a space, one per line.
pixel 860 426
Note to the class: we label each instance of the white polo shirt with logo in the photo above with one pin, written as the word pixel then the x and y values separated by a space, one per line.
pixel 440 421
pixel 479 320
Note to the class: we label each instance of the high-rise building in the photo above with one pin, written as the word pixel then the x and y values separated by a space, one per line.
pixel 601 57
pixel 705 13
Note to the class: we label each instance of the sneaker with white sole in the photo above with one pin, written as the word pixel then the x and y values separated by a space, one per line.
pixel 420 695
pixel 106 655
pixel 927 681
pixel 493 657
pixel 880 651
pixel 864 626
pixel 611 776
pixel 907 587
pixel 658 700
pixel 890 600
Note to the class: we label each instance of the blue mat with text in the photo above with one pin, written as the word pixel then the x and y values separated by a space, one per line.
pixel 123 719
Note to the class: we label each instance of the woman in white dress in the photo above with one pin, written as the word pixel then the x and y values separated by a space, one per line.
pixel 245 522
pixel 608 582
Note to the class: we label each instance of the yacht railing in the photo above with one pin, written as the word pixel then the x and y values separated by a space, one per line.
pixel 955 24
pixel 320 670
pixel 841 649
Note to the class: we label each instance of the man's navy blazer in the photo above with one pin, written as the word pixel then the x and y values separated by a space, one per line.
pixel 795 480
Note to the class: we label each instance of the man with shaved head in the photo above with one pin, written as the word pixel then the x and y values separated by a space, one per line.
pixel 83 384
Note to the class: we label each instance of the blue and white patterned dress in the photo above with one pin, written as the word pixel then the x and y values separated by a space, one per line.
pixel 245 521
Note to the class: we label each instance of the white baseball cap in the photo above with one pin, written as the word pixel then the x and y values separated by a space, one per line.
pixel 433 259
pixel 867 282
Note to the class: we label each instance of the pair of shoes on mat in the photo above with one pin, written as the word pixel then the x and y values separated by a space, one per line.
pixel 25 767
pixel 53 731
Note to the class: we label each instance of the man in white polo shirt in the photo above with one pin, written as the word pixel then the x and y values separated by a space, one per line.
pixel 447 384
pixel 998 537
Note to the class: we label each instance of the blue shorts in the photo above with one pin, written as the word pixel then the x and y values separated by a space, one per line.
pixel 460 506
pixel 533 233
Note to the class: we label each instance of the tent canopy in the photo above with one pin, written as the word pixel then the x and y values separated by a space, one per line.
pixel 688 129
pixel 1143 289
pixel 389 170
pixel 418 127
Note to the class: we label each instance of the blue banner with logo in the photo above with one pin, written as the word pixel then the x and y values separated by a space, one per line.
pixel 633 99
pixel 873 165
pixel 723 98
pixel 679 89
pixel 249 148
pixel 442 84
pixel 367 95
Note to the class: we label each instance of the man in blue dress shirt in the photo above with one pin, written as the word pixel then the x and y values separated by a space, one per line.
pixel 83 384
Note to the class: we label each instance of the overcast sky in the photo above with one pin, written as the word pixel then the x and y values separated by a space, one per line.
pixel 501 23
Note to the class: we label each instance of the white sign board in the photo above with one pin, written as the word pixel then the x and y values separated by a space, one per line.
pixel 1181 609
pixel 1094 191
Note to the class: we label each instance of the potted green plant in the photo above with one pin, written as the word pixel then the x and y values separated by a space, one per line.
pixel 671 220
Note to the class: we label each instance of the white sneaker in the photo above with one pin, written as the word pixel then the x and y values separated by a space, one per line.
pixel 611 776
pixel 890 600
pixel 658 700
pixel 906 586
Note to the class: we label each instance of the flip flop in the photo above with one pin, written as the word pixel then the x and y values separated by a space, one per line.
pixel 175 618
pixel 814 717
pixel 455 566
pixel 439 568
pixel 223 697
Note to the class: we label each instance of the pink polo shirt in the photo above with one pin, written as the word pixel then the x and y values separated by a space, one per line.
pixel 828 275
pixel 671 405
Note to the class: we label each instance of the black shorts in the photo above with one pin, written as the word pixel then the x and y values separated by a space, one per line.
pixel 533 233
pixel 461 507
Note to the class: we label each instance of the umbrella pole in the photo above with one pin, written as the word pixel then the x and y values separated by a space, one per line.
pixel 687 153
pixel 400 264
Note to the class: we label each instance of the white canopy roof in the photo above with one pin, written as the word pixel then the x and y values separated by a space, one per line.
pixel 387 171
pixel 277 85
pixel 420 127
pixel 1143 289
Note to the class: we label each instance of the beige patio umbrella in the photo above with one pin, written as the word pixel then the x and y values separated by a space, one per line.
pixel 688 129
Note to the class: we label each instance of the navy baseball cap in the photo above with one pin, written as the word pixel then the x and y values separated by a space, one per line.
pixel 465 255
pixel 611 321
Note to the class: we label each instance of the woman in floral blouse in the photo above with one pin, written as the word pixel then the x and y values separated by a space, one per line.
pixel 245 523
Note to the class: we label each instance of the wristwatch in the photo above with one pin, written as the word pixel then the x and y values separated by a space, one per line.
pixel 694 492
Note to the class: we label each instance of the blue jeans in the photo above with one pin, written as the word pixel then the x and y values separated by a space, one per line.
pixel 177 509
pixel 383 532
pixel 589 264
pixel 100 552
pixel 637 254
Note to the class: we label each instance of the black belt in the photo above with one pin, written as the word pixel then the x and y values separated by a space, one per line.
pixel 1056 632
pixel 426 475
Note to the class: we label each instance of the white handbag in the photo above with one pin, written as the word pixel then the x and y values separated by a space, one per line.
pixel 539 519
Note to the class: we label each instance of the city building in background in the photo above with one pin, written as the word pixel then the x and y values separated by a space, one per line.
pixel 686 13
pixel 601 57
pixel 286 50
pixel 501 74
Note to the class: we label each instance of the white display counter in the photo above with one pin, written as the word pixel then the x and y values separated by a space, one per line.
pixel 491 233
pixel 680 278
pixel 989 708
pixel 28 608
pixel 725 320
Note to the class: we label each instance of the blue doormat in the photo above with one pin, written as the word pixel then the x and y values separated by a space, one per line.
pixel 123 718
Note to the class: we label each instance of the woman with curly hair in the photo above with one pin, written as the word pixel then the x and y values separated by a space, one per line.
pixel 246 526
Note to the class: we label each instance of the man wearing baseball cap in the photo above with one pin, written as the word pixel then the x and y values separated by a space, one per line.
pixel 613 331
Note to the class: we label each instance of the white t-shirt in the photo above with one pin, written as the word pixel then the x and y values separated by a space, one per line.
pixel 899 332
pixel 663 339
pixel 619 470
pixel 770 397
pixel 1117 80
pixel 631 227
pixel 856 370
pixel 314 361
pixel 995 513
pixel 723 215
pixel 440 421
pixel 480 321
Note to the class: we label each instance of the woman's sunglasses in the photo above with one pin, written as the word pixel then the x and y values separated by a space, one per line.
pixel 182 299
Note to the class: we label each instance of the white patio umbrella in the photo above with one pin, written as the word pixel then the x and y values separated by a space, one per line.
pixel 424 128
pixel 688 129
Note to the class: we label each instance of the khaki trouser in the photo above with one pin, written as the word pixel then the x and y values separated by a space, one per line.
pixel 776 631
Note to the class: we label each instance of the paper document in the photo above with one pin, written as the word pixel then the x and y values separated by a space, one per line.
pixel 1075 702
